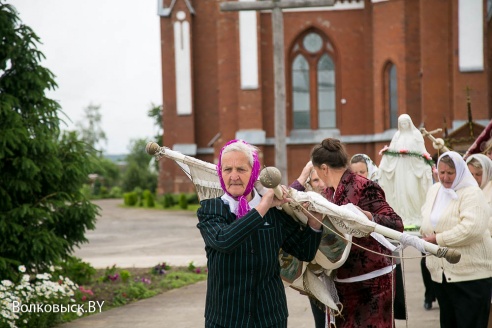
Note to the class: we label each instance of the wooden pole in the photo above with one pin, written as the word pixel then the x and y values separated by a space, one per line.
pixel 279 93
pixel 278 63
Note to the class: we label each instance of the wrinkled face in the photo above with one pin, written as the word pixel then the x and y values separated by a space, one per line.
pixel 236 172
pixel 360 169
pixel 446 174
pixel 316 183
pixel 477 173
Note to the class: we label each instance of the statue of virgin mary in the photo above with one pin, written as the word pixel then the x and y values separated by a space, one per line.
pixel 405 173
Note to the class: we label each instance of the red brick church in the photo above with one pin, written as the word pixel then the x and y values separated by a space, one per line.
pixel 350 70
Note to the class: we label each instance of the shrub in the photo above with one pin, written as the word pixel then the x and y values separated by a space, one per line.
pixel 183 201
pixel 193 199
pixel 130 198
pixel 168 201
pixel 104 192
pixel 115 192
pixel 148 198
pixel 80 272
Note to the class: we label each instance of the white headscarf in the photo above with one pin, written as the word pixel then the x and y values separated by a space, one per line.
pixel 372 169
pixel 486 164
pixel 463 179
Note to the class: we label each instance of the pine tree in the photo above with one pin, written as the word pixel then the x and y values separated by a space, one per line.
pixel 43 213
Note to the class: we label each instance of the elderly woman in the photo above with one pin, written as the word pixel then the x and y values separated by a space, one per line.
pixel 308 180
pixel 455 214
pixel 365 281
pixel 243 234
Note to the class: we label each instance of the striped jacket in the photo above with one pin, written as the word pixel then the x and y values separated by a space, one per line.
pixel 244 288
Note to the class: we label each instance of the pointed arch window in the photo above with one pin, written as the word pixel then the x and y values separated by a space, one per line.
pixel 392 92
pixel 313 86
pixel 326 93
pixel 301 93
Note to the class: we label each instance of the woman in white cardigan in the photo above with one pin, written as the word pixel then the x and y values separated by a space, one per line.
pixel 455 215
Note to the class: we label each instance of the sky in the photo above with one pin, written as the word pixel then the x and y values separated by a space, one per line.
pixel 102 52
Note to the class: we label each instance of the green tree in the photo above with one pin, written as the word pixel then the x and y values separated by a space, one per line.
pixel 108 172
pixel 43 214
pixel 139 172
pixel 155 112
pixel 90 128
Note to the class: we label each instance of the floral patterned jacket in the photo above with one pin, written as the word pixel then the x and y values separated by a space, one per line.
pixel 370 197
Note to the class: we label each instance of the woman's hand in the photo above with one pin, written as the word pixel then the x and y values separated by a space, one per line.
pixel 366 213
pixel 431 238
pixel 306 173
pixel 269 200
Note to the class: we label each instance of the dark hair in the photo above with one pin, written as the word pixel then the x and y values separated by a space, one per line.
pixel 358 159
pixel 330 152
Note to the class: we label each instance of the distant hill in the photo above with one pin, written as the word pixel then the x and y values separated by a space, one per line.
pixel 116 158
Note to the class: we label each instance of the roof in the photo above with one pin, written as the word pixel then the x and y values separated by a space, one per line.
pixel 166 12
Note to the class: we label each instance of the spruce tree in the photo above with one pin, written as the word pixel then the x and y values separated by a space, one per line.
pixel 43 213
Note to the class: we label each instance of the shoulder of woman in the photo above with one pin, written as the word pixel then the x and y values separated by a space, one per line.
pixel 470 191
pixel 211 200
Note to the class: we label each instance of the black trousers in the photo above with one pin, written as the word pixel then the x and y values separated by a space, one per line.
pixel 464 304
pixel 399 307
pixel 429 295
pixel 318 313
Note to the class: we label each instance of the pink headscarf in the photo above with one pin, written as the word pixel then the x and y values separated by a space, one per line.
pixel 243 207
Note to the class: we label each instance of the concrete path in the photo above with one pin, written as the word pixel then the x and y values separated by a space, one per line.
pixel 143 237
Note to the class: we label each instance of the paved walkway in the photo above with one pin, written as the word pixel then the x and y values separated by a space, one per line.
pixel 142 238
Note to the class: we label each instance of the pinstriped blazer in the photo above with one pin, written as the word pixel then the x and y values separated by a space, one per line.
pixel 244 288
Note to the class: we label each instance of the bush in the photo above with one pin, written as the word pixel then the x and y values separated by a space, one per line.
pixel 148 198
pixel 168 201
pixel 115 192
pixel 78 271
pixel 193 199
pixel 183 201
pixel 139 193
pixel 130 198
pixel 104 192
